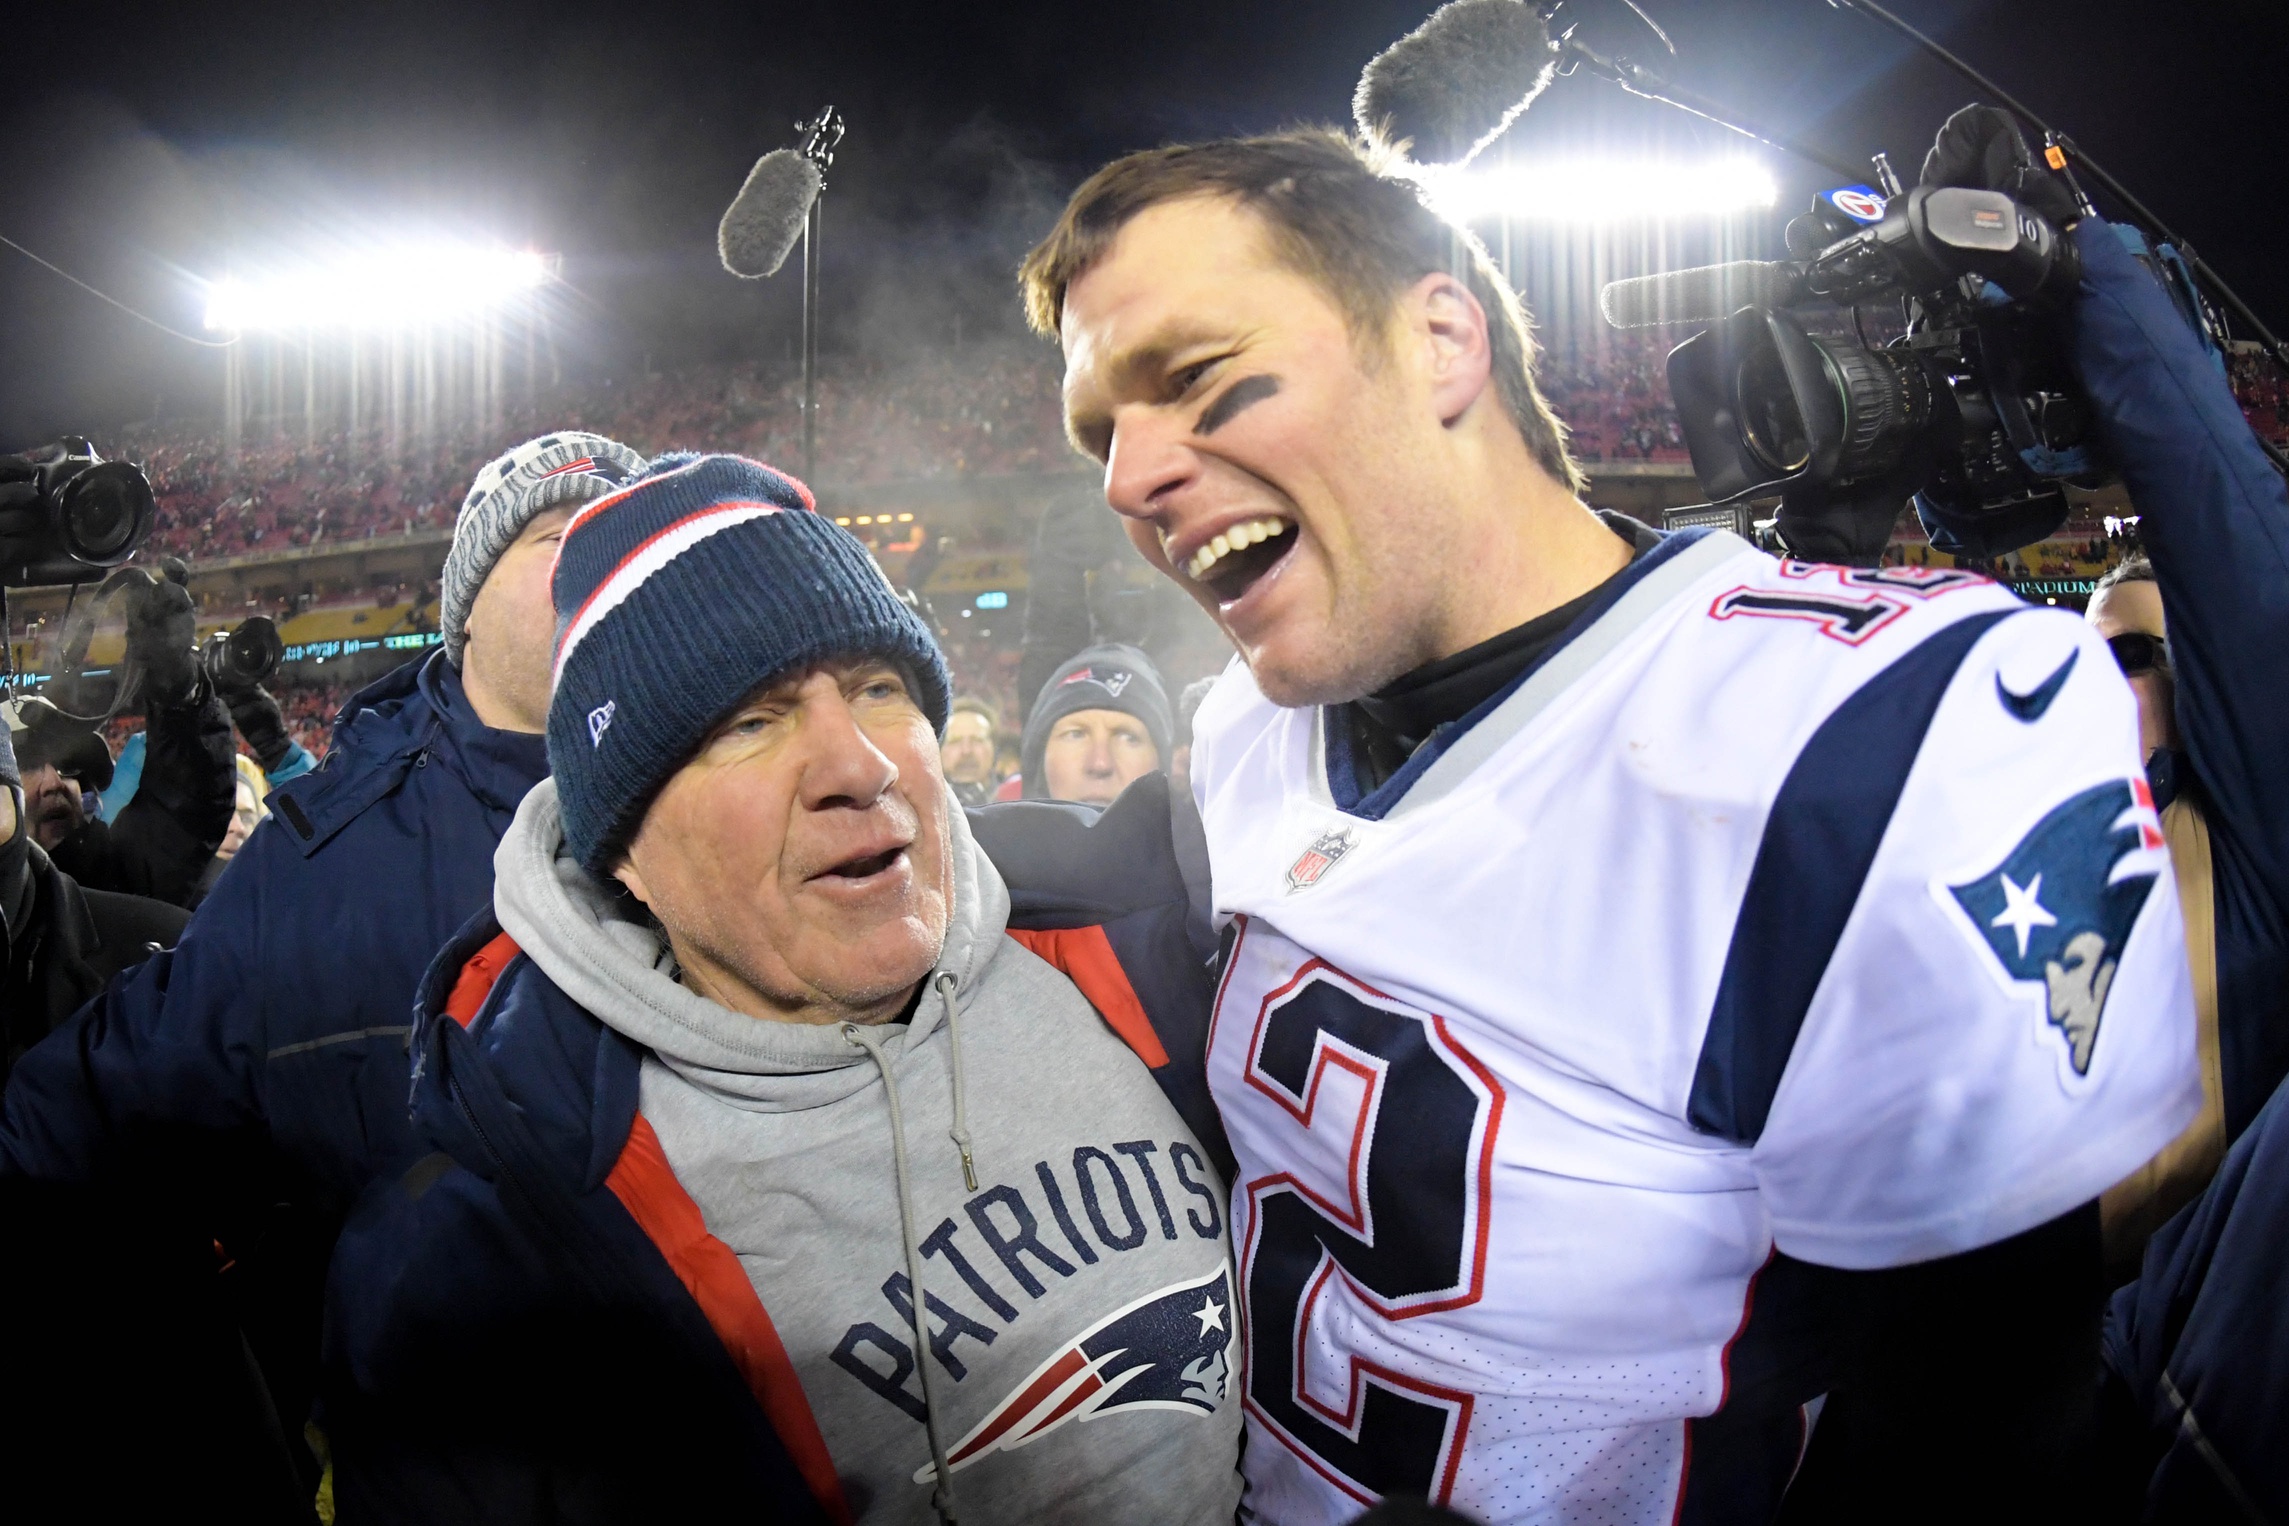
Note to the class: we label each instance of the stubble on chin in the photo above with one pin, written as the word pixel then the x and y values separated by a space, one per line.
pixel 1346 657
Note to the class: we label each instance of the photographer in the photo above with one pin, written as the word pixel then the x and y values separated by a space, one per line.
pixel 161 843
pixel 2199 1373
pixel 63 942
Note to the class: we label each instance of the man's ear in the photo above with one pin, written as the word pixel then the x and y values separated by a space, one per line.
pixel 1458 348
pixel 625 872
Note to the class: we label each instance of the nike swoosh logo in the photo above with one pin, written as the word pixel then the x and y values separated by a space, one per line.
pixel 2029 707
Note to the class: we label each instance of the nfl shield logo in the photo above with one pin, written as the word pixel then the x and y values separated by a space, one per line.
pixel 1321 856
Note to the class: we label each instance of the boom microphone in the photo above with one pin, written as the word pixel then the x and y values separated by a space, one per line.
pixel 1703 294
pixel 765 219
pixel 1448 88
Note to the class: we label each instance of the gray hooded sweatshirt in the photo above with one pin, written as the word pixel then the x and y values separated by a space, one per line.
pixel 1078 1292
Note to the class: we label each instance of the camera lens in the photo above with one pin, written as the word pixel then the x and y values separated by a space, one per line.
pixel 1887 402
pixel 1771 422
pixel 104 512
pixel 254 650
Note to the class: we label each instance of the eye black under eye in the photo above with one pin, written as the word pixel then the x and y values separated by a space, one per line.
pixel 1235 399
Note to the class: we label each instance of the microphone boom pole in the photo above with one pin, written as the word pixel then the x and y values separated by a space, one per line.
pixel 1641 81
pixel 821 136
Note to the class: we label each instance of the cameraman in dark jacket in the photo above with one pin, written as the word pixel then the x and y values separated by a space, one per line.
pixel 261 1065
pixel 63 942
pixel 2198 1348
pixel 160 844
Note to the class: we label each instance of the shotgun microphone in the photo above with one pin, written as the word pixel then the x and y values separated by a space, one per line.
pixel 1448 88
pixel 1703 294
pixel 766 218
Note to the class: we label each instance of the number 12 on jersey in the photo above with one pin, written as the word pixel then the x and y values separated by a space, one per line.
pixel 1367 1186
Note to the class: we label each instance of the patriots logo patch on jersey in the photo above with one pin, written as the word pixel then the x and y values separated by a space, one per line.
pixel 2059 909
pixel 1167 1350
pixel 1312 865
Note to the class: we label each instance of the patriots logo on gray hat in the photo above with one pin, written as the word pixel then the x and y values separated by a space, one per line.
pixel 567 467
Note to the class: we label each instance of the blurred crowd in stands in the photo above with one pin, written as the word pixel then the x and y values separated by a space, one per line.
pixel 1615 400
pixel 982 411
pixel 985 410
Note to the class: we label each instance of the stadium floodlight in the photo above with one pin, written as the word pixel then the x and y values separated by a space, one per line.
pixel 1598 189
pixel 384 288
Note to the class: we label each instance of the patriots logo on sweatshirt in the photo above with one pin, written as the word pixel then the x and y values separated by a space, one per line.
pixel 2060 907
pixel 1166 1350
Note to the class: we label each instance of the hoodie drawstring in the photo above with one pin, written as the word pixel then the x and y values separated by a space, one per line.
pixel 961 1129
pixel 942 1494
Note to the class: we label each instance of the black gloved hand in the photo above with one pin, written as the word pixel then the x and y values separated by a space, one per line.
pixel 19 489
pixel 260 720
pixel 1981 148
pixel 162 632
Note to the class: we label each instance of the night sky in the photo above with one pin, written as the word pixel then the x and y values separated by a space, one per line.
pixel 145 145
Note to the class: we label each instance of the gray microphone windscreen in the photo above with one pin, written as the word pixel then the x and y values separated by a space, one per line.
pixel 1703 294
pixel 1450 87
pixel 766 217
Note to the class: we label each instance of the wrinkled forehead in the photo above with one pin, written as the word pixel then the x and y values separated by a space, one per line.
pixel 2133 606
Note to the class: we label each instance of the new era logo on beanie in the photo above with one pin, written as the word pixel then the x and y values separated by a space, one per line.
pixel 567 467
pixel 679 595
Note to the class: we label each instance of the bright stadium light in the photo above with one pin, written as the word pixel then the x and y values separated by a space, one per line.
pixel 386 288
pixel 1601 190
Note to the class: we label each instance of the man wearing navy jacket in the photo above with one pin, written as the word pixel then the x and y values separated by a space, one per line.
pixel 2197 1348
pixel 253 1080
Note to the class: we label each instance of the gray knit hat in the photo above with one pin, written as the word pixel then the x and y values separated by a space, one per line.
pixel 567 467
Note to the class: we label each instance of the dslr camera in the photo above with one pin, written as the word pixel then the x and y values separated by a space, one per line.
pixel 67 515
pixel 239 659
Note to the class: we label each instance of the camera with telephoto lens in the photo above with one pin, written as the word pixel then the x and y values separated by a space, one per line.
pixel 1973 412
pixel 67 515
pixel 242 659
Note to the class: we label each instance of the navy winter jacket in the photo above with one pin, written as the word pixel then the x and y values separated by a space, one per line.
pixel 247 1086
pixel 528 1338
pixel 2198 1347
pixel 2214 518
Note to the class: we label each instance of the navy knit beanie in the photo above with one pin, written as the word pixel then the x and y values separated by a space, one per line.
pixel 1109 677
pixel 676 598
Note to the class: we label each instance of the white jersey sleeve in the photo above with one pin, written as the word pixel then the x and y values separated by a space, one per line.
pixel 2004 1027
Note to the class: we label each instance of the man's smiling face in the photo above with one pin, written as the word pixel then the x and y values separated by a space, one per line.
pixel 1284 473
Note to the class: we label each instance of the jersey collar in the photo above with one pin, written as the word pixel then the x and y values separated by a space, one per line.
pixel 1448 755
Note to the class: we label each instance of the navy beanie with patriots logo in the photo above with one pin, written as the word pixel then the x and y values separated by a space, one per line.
pixel 676 598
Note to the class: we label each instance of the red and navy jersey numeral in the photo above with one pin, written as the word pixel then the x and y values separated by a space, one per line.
pixel 1849 618
pixel 1915 582
pixel 1860 602
pixel 1393 1128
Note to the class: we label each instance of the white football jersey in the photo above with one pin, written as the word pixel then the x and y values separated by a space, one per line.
pixel 1781 905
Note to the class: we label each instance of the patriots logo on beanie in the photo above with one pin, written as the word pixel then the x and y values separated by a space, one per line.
pixel 679 595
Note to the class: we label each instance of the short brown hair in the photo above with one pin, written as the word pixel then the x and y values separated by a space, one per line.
pixel 1337 216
